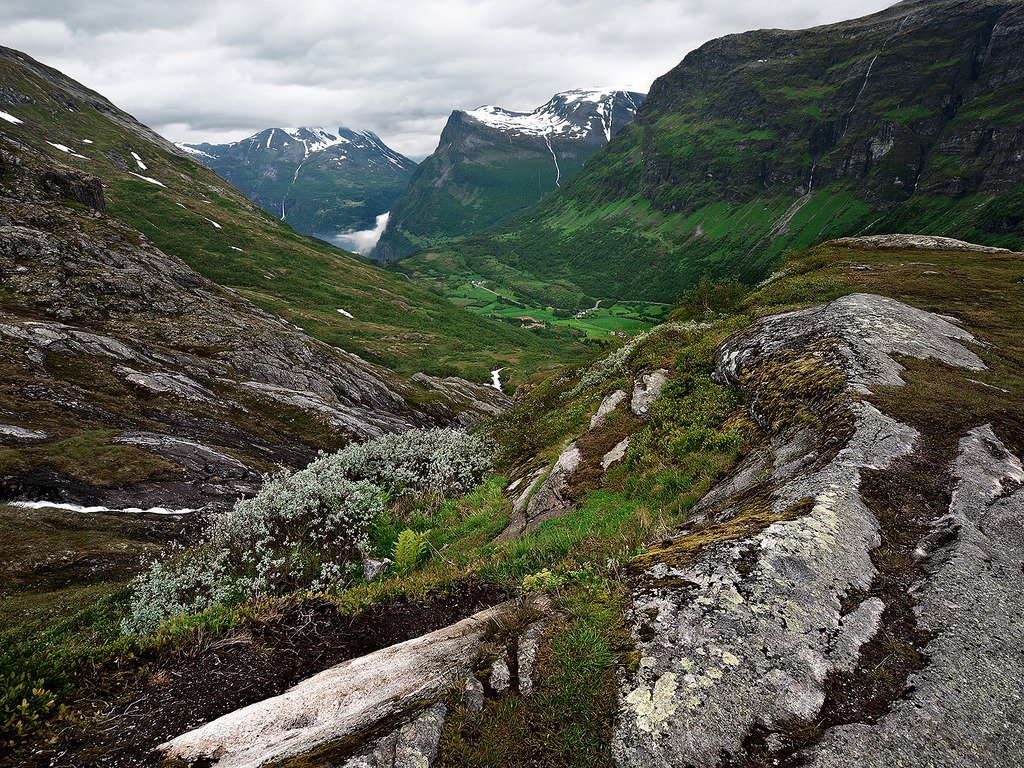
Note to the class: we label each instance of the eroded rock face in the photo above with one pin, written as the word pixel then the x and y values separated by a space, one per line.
pixel 476 399
pixel 966 705
pixel 740 622
pixel 76 187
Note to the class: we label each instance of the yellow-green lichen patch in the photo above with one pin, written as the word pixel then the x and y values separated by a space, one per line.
pixel 653 706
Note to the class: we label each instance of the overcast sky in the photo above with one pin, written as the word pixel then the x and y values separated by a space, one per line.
pixel 220 70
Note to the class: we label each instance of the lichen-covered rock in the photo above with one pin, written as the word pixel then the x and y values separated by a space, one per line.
pixel 918 242
pixel 965 707
pixel 646 391
pixel 375 567
pixel 529 643
pixel 473 694
pixel 616 454
pixel 740 622
pixel 552 498
pixel 873 332
pixel 501 675
pixel 413 745
pixel 608 404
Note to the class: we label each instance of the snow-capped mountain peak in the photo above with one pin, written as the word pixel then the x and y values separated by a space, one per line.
pixel 571 114
pixel 320 180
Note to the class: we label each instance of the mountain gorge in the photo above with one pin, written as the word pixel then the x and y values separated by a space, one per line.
pixel 322 182
pixel 766 141
pixel 492 163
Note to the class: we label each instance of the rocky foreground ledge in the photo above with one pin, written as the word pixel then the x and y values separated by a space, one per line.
pixel 761 628
pixel 844 598
pixel 382 710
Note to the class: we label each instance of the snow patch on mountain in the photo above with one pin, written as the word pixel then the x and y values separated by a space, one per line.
pixel 67 149
pixel 150 179
pixel 572 114
pixel 193 151
pixel 10 118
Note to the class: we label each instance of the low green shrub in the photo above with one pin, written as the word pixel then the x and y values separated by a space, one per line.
pixel 25 704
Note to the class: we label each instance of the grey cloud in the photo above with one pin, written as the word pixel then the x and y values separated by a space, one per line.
pixel 224 69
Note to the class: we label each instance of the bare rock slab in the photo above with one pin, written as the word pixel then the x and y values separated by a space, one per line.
pixel 741 632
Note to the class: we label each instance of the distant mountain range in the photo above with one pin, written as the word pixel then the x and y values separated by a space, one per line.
pixel 323 182
pixel 908 120
pixel 492 163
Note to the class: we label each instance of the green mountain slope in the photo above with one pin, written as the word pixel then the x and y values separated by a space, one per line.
pixel 188 211
pixel 491 163
pixel 907 120
pixel 322 182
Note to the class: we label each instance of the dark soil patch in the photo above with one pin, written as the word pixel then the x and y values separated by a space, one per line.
pixel 174 693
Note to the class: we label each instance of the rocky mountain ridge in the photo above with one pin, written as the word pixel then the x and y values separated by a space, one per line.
pixel 491 163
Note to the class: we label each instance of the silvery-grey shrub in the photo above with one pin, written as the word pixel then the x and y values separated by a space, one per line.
pixel 305 530
pixel 444 462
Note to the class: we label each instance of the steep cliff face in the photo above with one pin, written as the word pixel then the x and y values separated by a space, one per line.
pixel 907 120
pixel 130 380
pixel 491 163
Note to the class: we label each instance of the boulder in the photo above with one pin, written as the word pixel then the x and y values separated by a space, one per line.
pixel 608 404
pixel 646 391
